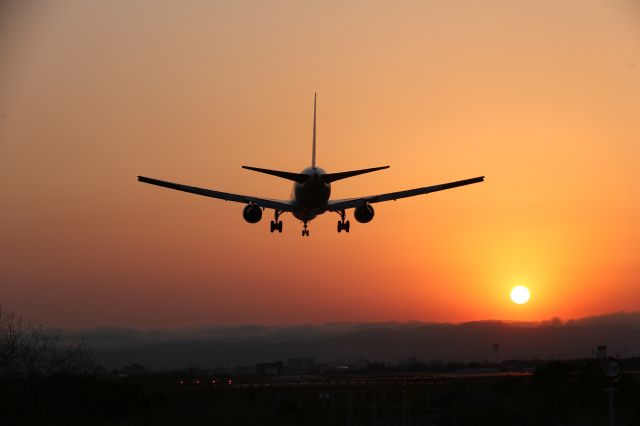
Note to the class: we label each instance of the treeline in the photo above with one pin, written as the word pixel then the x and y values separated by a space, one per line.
pixel 28 349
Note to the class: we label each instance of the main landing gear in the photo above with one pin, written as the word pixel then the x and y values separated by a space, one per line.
pixel 342 224
pixel 276 224
pixel 305 231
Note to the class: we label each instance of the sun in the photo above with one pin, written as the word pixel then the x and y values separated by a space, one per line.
pixel 520 294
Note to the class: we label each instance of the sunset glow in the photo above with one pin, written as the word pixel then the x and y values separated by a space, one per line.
pixel 542 98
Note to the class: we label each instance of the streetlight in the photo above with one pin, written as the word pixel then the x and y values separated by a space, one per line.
pixel 612 370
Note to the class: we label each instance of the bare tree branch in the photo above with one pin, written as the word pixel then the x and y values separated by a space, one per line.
pixel 27 348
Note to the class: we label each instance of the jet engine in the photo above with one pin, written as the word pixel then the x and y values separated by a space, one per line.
pixel 364 214
pixel 252 213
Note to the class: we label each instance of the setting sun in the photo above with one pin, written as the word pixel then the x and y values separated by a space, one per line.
pixel 520 294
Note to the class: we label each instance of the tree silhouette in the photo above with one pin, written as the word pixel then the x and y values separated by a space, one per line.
pixel 28 349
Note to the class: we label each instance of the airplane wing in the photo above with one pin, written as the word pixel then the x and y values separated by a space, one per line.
pixel 337 205
pixel 281 205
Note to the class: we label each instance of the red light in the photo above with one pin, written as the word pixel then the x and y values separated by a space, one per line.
pixel 229 382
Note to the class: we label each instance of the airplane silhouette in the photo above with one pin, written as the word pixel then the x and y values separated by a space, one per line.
pixel 310 194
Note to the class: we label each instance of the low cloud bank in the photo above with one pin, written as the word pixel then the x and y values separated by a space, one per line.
pixel 215 346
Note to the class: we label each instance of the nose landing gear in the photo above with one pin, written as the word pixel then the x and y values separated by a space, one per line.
pixel 276 226
pixel 305 231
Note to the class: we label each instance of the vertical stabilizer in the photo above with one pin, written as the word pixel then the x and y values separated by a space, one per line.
pixel 313 153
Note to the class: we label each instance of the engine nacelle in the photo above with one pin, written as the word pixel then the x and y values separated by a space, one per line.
pixel 252 213
pixel 364 214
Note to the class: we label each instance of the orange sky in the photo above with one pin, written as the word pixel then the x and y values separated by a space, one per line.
pixel 543 98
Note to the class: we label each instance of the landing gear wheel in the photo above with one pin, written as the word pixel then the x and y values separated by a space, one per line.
pixel 276 224
pixel 305 231
pixel 343 226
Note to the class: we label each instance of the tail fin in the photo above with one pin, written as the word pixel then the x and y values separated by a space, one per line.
pixel 313 152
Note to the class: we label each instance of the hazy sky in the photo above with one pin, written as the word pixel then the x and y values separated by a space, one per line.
pixel 543 98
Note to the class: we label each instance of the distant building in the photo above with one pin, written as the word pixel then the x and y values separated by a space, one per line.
pixel 133 369
pixel 269 368
pixel 436 363
pixel 301 366
pixel 245 370
pixel 601 352
pixel 360 364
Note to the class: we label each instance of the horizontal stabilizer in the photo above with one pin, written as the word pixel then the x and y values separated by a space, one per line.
pixel 332 177
pixel 296 177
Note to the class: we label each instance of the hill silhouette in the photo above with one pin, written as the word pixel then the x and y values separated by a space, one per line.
pixel 213 346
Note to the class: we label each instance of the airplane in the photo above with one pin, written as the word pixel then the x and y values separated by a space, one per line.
pixel 310 195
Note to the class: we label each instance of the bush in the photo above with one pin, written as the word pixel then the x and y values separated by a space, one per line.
pixel 27 349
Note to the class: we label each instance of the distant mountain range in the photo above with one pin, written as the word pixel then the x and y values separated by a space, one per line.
pixel 214 346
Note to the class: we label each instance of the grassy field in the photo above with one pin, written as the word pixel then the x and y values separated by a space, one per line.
pixel 559 393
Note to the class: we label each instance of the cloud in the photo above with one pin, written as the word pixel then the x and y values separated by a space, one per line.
pixel 213 346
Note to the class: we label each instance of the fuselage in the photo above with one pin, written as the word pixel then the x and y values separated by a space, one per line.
pixel 311 197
